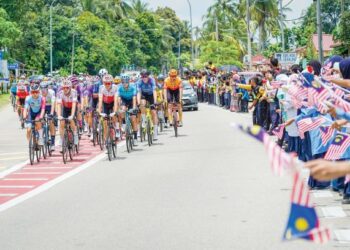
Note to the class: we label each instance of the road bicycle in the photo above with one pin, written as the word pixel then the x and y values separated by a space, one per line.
pixel 35 149
pixel 129 136
pixel 68 146
pixel 110 142
pixel 174 113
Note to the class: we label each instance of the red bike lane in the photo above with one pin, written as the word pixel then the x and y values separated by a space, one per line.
pixel 33 179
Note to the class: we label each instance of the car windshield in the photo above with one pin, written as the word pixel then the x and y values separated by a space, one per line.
pixel 187 86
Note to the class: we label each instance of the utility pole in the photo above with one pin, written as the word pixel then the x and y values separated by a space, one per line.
pixel 73 51
pixel 217 40
pixel 282 26
pixel 249 36
pixel 319 31
pixel 51 36
pixel 192 52
pixel 179 51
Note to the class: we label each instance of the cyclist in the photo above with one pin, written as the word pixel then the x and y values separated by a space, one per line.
pixel 117 80
pixel 146 88
pixel 173 92
pixel 75 85
pixel 13 91
pixel 21 94
pixel 160 98
pixel 50 100
pixel 67 108
pixel 34 109
pixel 107 102
pixel 126 96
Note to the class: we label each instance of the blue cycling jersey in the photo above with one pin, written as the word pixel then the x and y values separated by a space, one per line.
pixel 146 88
pixel 96 87
pixel 13 90
pixel 128 93
pixel 35 105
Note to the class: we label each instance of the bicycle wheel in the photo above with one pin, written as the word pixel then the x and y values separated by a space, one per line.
pixel 100 137
pixel 175 123
pixel 141 132
pixel 149 135
pixel 127 140
pixel 161 126
pixel 70 144
pixel 113 142
pixel 65 150
pixel 38 153
pixel 94 132
pixel 31 149
pixel 109 147
pixel 44 147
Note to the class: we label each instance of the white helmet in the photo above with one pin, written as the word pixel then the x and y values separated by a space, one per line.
pixel 102 72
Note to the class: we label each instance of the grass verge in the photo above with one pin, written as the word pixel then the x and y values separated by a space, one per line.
pixel 4 100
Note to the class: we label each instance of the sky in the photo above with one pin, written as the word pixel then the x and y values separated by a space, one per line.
pixel 199 8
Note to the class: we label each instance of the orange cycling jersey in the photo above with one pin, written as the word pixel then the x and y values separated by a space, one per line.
pixel 173 84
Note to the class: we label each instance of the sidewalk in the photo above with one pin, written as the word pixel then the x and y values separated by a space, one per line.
pixel 13 143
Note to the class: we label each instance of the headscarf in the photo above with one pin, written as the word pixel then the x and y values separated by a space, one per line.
pixel 316 66
pixel 344 67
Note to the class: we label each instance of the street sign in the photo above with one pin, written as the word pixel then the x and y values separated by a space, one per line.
pixel 13 66
pixel 286 58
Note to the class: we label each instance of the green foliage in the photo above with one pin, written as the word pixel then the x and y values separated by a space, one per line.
pixel 220 52
pixel 344 30
pixel 9 31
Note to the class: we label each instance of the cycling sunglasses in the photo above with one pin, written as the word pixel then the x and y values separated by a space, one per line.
pixel 35 91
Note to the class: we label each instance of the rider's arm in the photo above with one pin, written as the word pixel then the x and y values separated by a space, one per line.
pixel 43 104
pixel 116 102
pixel 26 107
pixel 342 82
pixel 74 104
pixel 53 103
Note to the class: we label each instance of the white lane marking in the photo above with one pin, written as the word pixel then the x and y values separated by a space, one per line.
pixel 25 179
pixel 322 194
pixel 333 212
pixel 34 173
pixel 7 195
pixel 14 153
pixel 13 169
pixel 13 158
pixel 342 235
pixel 55 181
pixel 43 168
pixel 17 186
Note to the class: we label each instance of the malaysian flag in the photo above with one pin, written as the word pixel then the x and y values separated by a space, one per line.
pixel 338 147
pixel 277 84
pixel 342 104
pixel 327 133
pixel 278 131
pixel 309 124
pixel 318 92
pixel 339 92
pixel 303 221
pixel 280 161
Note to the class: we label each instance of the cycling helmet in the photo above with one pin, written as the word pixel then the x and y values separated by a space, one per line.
pixel 144 73
pixel 23 76
pixel 160 77
pixel 44 85
pixel 102 72
pixel 25 82
pixel 173 73
pixel 35 87
pixel 66 83
pixel 74 80
pixel 107 79
pixel 125 78
pixel 117 80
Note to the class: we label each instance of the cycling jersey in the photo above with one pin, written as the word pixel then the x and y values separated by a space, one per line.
pixel 173 84
pixel 13 90
pixel 159 91
pixel 96 88
pixel 146 88
pixel 22 92
pixel 67 100
pixel 34 105
pixel 108 95
pixel 49 96
pixel 127 94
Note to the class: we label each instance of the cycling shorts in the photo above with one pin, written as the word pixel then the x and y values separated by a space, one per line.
pixel 173 95
pixel 107 108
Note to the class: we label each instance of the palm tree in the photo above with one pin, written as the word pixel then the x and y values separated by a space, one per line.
pixel 138 6
pixel 114 9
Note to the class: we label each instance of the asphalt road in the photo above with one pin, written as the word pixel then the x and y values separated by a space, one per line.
pixel 210 188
